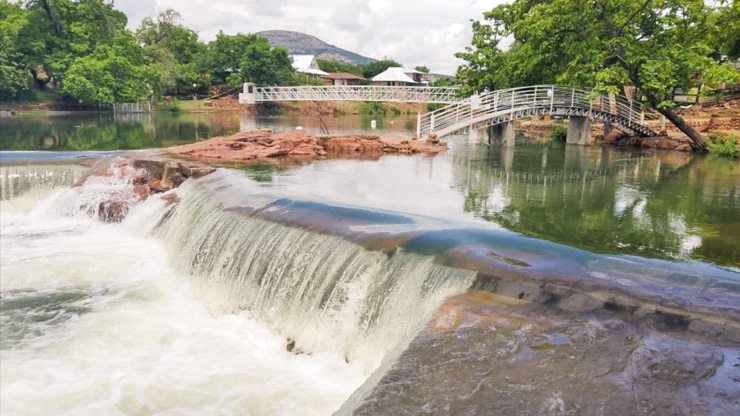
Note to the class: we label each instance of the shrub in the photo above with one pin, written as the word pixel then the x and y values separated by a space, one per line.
pixel 395 111
pixel 723 144
pixel 370 107
pixel 175 106
pixel 558 133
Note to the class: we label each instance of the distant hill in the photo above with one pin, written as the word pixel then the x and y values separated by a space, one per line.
pixel 302 44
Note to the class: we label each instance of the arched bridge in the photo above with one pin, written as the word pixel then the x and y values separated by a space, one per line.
pixel 494 108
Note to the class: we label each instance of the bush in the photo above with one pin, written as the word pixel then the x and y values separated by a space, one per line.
pixel 175 106
pixel 558 133
pixel 395 111
pixel 370 107
pixel 723 144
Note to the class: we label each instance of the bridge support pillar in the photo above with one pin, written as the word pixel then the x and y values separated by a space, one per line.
pixel 579 131
pixel 478 136
pixel 503 134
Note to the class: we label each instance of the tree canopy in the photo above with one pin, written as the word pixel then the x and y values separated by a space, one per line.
pixel 653 45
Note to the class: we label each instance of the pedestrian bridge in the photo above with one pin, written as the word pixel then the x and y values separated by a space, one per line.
pixel 500 108
pixel 253 94
pixel 491 112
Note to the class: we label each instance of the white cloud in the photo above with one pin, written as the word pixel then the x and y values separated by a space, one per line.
pixel 413 32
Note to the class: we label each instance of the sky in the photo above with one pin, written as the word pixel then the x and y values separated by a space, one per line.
pixel 412 32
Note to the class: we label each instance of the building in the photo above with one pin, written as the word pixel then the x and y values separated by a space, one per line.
pixel 307 65
pixel 398 77
pixel 343 78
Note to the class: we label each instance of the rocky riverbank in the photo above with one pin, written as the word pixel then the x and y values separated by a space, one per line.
pixel 297 147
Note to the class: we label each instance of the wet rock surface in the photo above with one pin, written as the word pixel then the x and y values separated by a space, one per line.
pixel 132 180
pixel 486 354
pixel 297 147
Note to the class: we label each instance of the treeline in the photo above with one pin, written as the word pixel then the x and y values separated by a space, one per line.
pixel 80 51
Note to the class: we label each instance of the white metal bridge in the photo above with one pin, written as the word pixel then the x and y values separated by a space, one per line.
pixel 253 94
pixel 495 107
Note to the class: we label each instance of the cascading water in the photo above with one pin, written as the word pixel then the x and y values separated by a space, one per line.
pixel 186 308
pixel 321 291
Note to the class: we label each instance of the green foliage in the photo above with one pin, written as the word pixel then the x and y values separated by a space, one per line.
pixel 372 69
pixel 241 58
pixel 395 110
pixel 367 71
pixel 602 44
pixel 175 52
pixel 422 68
pixel 175 106
pixel 13 77
pixel 370 107
pixel 558 133
pixel 115 72
pixel 434 106
pixel 724 144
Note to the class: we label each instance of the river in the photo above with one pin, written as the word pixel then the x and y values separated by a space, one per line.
pixel 197 309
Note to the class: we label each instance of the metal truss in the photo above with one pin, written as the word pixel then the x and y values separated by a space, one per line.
pixel 442 95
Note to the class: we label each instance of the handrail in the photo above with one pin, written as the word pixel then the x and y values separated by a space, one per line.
pixel 443 95
pixel 535 99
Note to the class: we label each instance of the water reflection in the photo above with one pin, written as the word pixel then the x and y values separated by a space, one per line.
pixel 668 205
pixel 128 131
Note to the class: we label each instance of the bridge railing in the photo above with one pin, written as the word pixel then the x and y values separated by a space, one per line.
pixel 484 106
pixel 442 95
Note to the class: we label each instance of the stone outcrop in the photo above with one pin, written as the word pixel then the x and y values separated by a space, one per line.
pixel 297 147
pixel 139 179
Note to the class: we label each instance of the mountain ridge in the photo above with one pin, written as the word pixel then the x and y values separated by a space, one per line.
pixel 298 43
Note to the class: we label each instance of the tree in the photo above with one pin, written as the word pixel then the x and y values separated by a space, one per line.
pixel 239 58
pixel 59 31
pixel 422 68
pixel 372 69
pixel 115 72
pixel 653 45
pixel 173 49
pixel 13 75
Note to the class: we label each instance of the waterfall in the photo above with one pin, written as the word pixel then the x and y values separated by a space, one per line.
pixel 18 180
pixel 321 292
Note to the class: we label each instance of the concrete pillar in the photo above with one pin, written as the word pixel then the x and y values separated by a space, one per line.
pixel 248 94
pixel 503 134
pixel 478 136
pixel 579 131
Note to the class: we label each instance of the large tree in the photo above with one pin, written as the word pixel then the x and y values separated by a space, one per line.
pixel 13 75
pixel 239 58
pixel 653 45
pixel 113 72
pixel 174 50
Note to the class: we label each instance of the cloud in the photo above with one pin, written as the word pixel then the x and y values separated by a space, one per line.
pixel 413 32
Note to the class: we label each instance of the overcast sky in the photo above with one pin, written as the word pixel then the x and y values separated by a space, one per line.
pixel 412 32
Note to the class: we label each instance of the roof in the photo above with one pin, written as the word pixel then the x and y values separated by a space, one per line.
pixel 343 75
pixel 302 61
pixel 312 71
pixel 394 73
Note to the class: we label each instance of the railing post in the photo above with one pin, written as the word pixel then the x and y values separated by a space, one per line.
pixel 642 119
pixel 630 116
pixel 534 99
pixel 431 123
pixel 552 98
pixel 573 97
pixel 418 126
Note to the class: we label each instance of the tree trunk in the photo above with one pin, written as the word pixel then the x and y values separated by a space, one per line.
pixel 697 140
